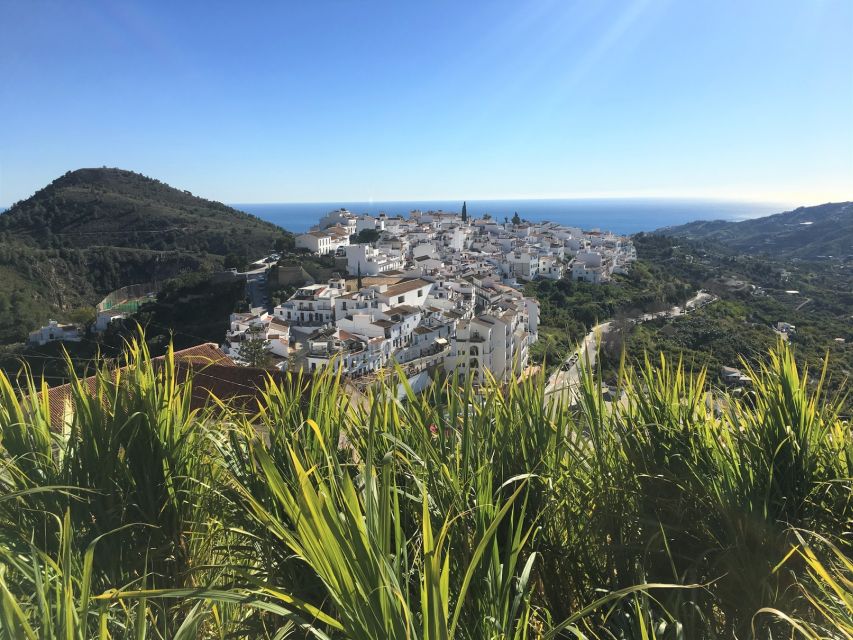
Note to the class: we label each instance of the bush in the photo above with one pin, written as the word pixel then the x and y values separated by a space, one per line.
pixel 678 512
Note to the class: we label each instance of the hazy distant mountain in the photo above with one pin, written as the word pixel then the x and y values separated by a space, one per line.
pixel 806 232
pixel 94 230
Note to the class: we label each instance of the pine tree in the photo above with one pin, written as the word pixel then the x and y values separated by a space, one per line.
pixel 254 350
pixel 516 219
pixel 464 212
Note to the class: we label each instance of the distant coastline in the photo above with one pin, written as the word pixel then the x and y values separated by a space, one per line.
pixel 624 216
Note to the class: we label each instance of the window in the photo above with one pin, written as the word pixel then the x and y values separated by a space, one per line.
pixel 400 299
pixel 420 293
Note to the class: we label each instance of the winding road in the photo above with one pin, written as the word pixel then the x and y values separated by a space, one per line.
pixel 565 381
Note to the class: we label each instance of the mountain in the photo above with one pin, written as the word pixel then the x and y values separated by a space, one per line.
pixel 95 230
pixel 117 208
pixel 807 232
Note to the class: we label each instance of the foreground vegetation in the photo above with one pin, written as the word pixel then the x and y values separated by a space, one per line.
pixel 455 514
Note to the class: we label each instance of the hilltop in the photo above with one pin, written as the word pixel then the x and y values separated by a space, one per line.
pixel 95 230
pixel 806 232
pixel 117 208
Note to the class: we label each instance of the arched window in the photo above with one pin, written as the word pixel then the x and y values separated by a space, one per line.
pixel 475 351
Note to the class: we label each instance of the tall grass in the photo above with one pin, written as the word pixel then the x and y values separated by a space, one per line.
pixel 465 513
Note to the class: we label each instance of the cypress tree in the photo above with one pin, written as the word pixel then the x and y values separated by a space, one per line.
pixel 464 212
pixel 359 277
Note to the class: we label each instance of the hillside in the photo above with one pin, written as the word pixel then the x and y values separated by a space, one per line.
pixel 94 230
pixel 112 207
pixel 806 233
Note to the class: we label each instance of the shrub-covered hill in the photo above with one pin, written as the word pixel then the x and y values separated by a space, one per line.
pixel 95 230
pixel 117 208
pixel 806 232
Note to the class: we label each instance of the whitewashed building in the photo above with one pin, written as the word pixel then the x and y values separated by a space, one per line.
pixel 53 331
pixel 312 305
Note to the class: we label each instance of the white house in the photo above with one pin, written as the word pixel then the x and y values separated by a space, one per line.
pixel 550 267
pixel 344 351
pixel 318 242
pixel 340 217
pixel 55 332
pixel 105 318
pixel 590 266
pixel 369 261
pixel 412 293
pixel 522 264
pixel 369 222
pixel 311 305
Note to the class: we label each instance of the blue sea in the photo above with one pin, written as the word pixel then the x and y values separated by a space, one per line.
pixel 624 216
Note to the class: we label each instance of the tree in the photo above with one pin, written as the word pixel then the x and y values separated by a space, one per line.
pixel 365 236
pixel 516 219
pixel 253 350
pixel 234 261
pixel 284 244
pixel 360 285
pixel 82 315
pixel 464 211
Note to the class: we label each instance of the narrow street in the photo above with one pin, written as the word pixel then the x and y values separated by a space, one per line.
pixel 256 288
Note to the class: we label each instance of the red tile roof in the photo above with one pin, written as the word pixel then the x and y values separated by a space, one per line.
pixel 213 373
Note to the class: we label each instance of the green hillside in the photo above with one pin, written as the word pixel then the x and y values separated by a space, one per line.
pixel 94 230
pixel 112 207
pixel 807 232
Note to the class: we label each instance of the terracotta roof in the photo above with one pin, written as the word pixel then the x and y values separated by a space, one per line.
pixel 240 387
pixel 206 353
pixel 405 287
pixel 278 324
pixel 197 358
pixel 403 310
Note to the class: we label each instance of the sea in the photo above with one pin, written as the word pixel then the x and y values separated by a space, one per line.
pixel 622 216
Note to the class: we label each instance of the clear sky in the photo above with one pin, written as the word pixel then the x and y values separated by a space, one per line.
pixel 348 100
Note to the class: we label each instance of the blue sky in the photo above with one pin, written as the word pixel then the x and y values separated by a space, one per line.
pixel 358 101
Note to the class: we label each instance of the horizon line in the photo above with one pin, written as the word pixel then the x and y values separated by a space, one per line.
pixel 683 198
pixel 785 204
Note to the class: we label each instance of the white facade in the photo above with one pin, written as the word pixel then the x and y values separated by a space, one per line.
pixel 340 217
pixel 55 332
pixel 318 242
pixel 311 305
pixel 105 318
pixel 591 266
pixel 369 261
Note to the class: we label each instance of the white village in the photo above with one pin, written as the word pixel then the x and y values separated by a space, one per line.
pixel 431 292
